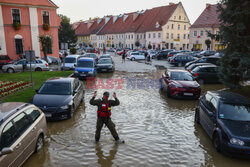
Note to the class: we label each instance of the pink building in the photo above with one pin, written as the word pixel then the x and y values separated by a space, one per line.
pixel 21 24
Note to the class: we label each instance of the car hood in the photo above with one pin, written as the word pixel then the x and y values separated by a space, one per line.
pixel 237 128
pixel 81 69
pixel 41 100
pixel 187 83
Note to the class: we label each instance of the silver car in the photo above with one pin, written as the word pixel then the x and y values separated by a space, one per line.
pixel 23 128
pixel 23 65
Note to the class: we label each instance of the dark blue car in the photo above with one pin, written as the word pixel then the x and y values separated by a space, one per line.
pixel 86 67
pixel 181 60
pixel 225 117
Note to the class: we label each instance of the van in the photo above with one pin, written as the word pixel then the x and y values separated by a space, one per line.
pixel 70 62
pixel 22 131
pixel 86 67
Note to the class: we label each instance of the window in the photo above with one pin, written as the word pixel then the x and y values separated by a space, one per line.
pixel 184 36
pixel 45 17
pixel 16 15
pixel 132 36
pixel 172 26
pixel 149 35
pixel 167 45
pixel 19 46
pixel 187 46
pixel 185 27
pixel 153 35
pixel 201 33
pixel 184 45
pixel 179 17
pixel 21 122
pixel 137 36
pixel 208 32
pixel 33 114
pixel 8 136
pixel 179 27
pixel 178 36
pixel 167 35
pixel 159 35
pixel 128 36
pixel 172 37
pixel 172 46
pixel 195 33
pixel 144 36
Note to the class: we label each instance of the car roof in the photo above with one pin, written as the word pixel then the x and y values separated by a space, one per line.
pixel 230 97
pixel 209 65
pixel 200 64
pixel 72 56
pixel 61 79
pixel 86 59
pixel 176 70
pixel 9 109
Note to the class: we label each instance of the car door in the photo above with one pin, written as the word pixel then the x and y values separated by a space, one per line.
pixel 166 79
pixel 211 116
pixel 19 65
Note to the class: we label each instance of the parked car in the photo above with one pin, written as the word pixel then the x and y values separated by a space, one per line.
pixel 180 84
pixel 171 54
pixel 136 56
pixel 58 98
pixel 91 55
pixel 153 54
pixel 111 50
pixel 206 74
pixel 208 53
pixel 53 60
pixel 23 129
pixel 192 66
pixel 37 65
pixel 210 59
pixel 70 62
pixel 105 65
pixel 105 56
pixel 86 67
pixel 5 59
pixel 181 60
pixel 162 55
pixel 225 117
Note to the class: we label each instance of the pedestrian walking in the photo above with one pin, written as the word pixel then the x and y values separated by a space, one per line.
pixel 146 55
pixel 123 56
pixel 104 114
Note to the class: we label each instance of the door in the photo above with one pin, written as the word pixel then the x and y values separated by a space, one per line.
pixel 141 56
pixel 19 65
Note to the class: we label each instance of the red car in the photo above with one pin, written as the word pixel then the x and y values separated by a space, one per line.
pixel 180 84
pixel 4 59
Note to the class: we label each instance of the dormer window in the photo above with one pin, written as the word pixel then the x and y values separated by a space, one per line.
pixel 46 17
pixel 16 16
pixel 157 25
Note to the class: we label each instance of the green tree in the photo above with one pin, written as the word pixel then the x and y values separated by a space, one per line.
pixel 208 43
pixel 149 46
pixel 137 43
pixel 66 33
pixel 234 33
pixel 46 41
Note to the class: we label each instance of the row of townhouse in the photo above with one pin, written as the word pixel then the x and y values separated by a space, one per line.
pixel 161 27
pixel 21 24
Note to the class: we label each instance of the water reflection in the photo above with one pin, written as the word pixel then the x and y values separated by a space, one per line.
pixel 106 160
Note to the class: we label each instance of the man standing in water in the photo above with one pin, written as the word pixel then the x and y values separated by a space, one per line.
pixel 104 113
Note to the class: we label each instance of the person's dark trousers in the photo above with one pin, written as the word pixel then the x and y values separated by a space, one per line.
pixel 111 126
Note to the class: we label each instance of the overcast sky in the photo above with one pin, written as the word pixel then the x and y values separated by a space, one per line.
pixel 84 9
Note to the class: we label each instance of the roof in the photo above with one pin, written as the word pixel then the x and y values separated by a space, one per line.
pixel 47 3
pixel 61 79
pixel 8 109
pixel 208 18
pixel 230 97
pixel 87 28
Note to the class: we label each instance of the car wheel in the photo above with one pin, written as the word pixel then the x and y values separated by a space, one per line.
pixel 10 70
pixel 71 112
pixel 197 116
pixel 133 59
pixel 201 81
pixel 153 57
pixel 168 92
pixel 38 69
pixel 216 142
pixel 39 143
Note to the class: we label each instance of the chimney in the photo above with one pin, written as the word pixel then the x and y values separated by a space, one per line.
pixel 135 15
pixel 207 5
pixel 171 3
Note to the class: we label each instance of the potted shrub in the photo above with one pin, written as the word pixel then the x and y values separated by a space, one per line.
pixel 46 27
pixel 17 26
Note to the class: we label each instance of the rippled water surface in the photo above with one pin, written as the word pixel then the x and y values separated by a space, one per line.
pixel 158 131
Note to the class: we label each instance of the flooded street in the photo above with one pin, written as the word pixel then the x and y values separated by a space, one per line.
pixel 158 131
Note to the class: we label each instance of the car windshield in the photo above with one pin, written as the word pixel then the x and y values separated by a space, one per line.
pixel 55 88
pixel 234 112
pixel 90 55
pixel 181 76
pixel 86 64
pixel 105 61
pixel 104 57
pixel 70 60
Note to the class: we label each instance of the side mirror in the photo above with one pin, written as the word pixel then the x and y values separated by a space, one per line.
pixel 74 65
pixel 37 90
pixel 6 150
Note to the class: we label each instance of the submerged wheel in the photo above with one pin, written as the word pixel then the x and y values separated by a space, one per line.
pixel 197 116
pixel 39 143
pixel 133 59
pixel 216 142
pixel 168 92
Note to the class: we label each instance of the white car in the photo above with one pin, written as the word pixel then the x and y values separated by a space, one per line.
pixel 136 56
pixel 70 62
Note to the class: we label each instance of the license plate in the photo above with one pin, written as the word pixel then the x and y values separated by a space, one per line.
pixel 188 94
pixel 104 69
pixel 82 74
pixel 48 115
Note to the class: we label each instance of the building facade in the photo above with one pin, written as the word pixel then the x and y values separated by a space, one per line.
pixel 21 24
pixel 207 22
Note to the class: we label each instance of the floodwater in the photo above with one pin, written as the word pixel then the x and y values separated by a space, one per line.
pixel 158 131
